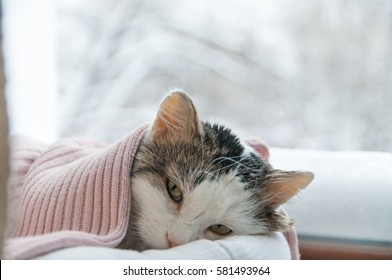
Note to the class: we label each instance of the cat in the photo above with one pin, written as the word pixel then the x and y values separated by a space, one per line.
pixel 195 180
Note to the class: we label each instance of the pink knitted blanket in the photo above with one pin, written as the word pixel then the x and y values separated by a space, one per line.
pixel 75 192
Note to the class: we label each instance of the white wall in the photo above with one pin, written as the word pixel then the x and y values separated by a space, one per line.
pixel 29 51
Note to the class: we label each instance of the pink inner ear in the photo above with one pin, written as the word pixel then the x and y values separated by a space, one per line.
pixel 260 146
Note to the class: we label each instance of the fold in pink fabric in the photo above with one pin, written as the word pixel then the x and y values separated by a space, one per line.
pixel 75 193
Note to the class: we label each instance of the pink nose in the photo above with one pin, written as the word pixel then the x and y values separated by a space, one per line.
pixel 171 241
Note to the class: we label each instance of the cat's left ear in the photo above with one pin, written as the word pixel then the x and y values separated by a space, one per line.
pixel 279 186
pixel 177 119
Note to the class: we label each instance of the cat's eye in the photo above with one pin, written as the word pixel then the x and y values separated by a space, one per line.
pixel 220 229
pixel 174 191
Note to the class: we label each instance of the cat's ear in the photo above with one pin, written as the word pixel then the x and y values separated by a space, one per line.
pixel 279 186
pixel 177 119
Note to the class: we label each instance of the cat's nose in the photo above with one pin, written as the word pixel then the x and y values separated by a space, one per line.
pixel 171 241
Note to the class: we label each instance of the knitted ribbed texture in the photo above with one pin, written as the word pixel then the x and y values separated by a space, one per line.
pixel 76 192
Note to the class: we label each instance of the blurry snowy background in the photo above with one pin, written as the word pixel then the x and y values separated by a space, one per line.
pixel 311 74
pixel 307 74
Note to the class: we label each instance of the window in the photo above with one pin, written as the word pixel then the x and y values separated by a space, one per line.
pixel 313 78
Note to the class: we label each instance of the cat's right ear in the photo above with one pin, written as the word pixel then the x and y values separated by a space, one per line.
pixel 177 119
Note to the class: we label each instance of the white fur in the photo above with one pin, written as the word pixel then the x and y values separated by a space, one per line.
pixel 211 202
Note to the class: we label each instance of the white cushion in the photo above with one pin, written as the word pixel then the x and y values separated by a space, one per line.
pixel 273 247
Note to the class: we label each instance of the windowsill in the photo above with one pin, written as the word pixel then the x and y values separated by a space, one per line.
pixel 315 248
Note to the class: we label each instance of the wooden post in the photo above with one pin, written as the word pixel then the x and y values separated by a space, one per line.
pixel 4 164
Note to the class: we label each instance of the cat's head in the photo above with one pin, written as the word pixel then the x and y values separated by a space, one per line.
pixel 193 180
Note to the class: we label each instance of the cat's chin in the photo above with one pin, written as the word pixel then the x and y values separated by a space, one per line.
pixel 155 245
pixel 141 246
pixel 136 244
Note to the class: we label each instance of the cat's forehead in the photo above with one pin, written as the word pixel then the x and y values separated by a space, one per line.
pixel 214 153
pixel 221 140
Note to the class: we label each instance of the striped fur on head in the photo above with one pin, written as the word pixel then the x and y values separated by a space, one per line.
pixel 193 180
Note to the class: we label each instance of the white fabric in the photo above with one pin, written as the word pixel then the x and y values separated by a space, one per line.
pixel 273 247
